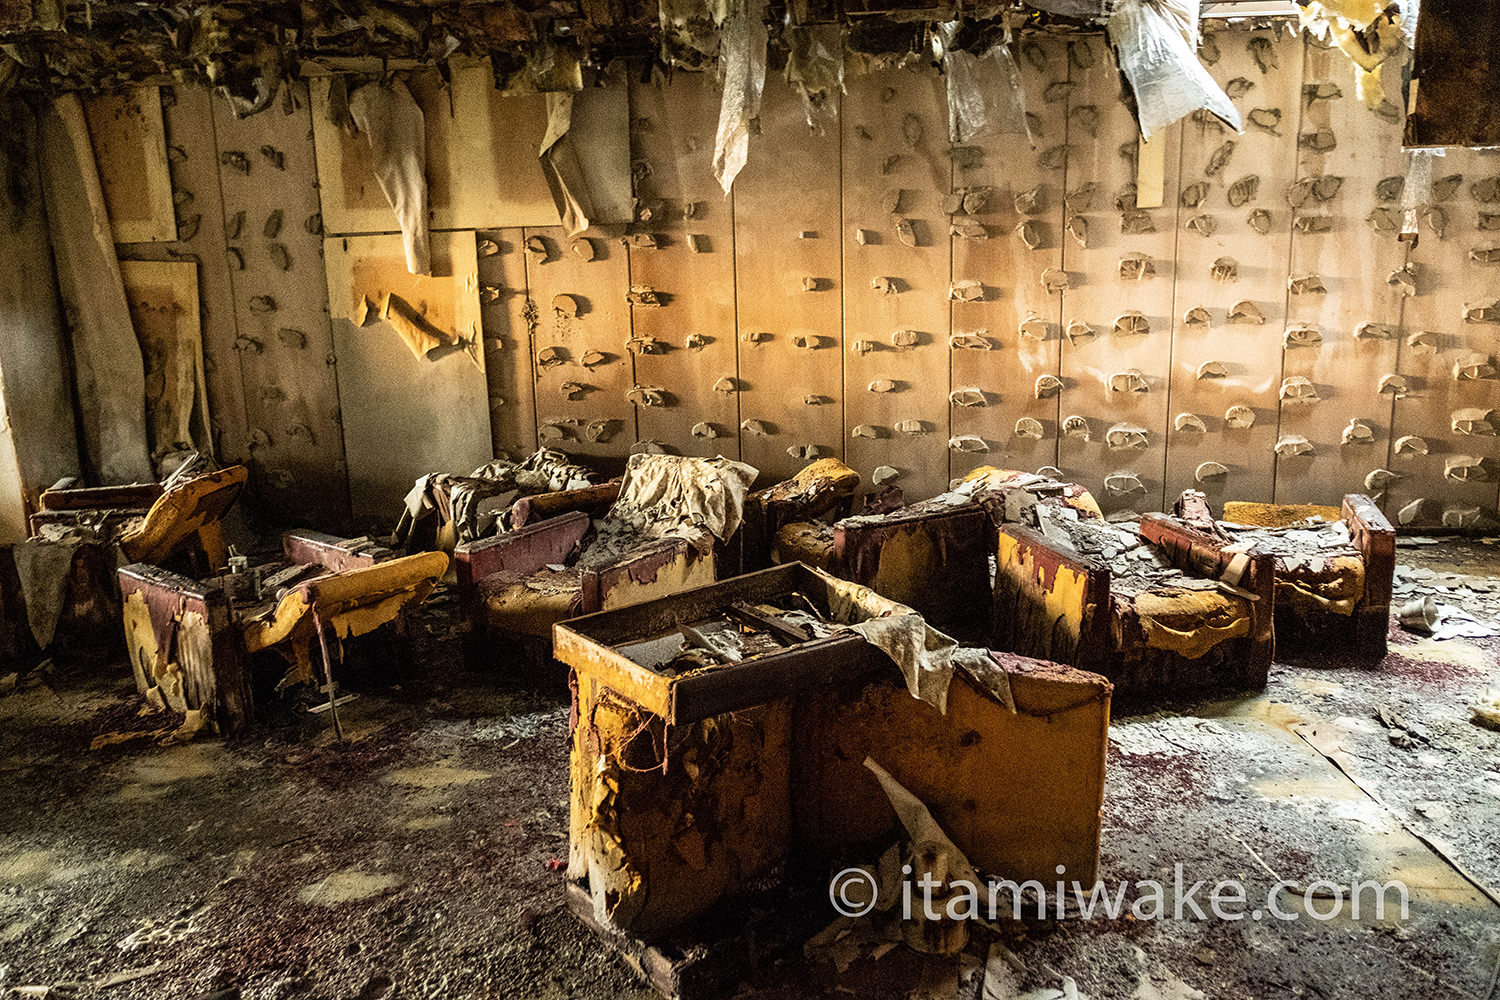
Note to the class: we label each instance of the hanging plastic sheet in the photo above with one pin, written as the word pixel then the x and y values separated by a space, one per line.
pixel 743 57
pixel 1155 41
pixel 984 90
pixel 392 124
pixel 562 167
pixel 815 67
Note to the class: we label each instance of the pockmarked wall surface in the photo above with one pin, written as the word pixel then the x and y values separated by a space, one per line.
pixel 874 292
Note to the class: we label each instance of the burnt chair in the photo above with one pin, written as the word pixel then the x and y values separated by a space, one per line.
pixel 1334 567
pixel 61 581
pixel 1159 608
pixel 934 555
pixel 443 510
pixel 821 492
pixel 660 534
pixel 192 642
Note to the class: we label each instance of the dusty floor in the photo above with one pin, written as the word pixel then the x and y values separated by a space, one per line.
pixel 418 861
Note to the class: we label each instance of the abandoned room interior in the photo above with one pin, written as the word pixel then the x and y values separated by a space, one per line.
pixel 770 499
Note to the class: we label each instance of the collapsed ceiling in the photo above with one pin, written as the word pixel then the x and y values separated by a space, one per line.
pixel 244 47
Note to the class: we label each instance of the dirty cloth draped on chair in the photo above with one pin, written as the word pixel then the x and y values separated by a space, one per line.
pixel 667 496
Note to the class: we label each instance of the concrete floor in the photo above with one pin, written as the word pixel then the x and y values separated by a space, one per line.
pixel 419 859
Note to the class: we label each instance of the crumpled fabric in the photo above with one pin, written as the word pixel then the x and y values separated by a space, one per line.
pixel 44 567
pixel 925 656
pixel 815 67
pixel 562 167
pixel 669 496
pixel 742 54
pixel 984 90
pixel 1155 42
pixel 392 124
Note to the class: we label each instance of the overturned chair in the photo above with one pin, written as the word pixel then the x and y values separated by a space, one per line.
pixel 191 642
pixel 1159 608
pixel 1334 567
pixel 659 536
pixel 64 574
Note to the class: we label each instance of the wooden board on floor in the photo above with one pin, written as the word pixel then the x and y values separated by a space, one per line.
pixel 1098 371
pixel 286 348
pixel 686 345
pixel 163 300
pixel 507 341
pixel 1432 410
pixel 584 371
pixel 1352 260
pixel 406 416
pixel 130 149
pixel 896 156
pixel 786 232
pixel 991 353
pixel 1259 171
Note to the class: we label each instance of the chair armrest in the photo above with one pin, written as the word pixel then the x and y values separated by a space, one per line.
pixel 591 500
pixel 337 555
pixel 1203 555
pixel 525 550
pixel 1375 538
pixel 642 567
pixel 99 497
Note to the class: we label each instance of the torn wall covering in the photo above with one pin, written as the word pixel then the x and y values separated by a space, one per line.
pixel 392 124
pixel 110 376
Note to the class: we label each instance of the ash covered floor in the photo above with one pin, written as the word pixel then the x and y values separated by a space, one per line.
pixel 422 859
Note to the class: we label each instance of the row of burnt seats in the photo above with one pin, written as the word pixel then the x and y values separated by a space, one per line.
pixel 1162 605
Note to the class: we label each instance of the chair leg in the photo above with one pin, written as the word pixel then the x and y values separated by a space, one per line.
pixel 333 699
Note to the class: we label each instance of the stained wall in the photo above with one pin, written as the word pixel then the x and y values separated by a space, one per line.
pixel 1240 338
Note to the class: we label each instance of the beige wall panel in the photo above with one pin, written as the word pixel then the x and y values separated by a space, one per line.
pixel 406 416
pixel 163 300
pixel 1100 295
pixel 584 372
pixel 507 340
pixel 789 188
pixel 1250 353
pixel 673 142
pixel 194 161
pixel 130 148
pixel 482 166
pixel 1007 374
pixel 1447 278
pixel 895 138
pixel 287 357
pixel 1353 262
